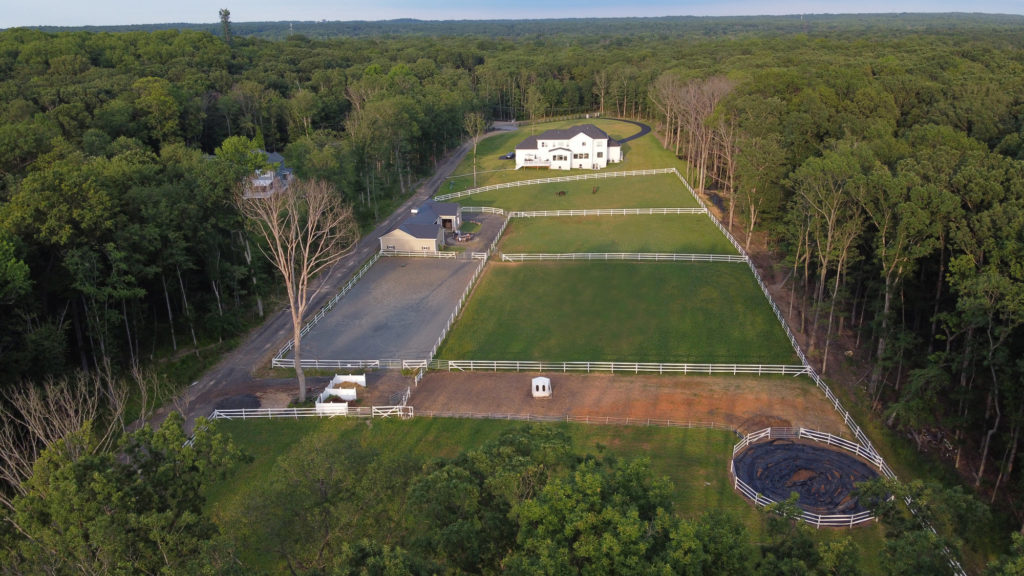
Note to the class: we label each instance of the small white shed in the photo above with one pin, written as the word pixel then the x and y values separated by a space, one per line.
pixel 541 387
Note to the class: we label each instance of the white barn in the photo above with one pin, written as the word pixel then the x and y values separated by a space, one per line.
pixel 424 230
pixel 584 147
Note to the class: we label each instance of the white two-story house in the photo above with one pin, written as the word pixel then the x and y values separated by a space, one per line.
pixel 586 146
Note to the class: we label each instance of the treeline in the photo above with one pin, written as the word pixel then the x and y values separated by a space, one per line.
pixel 664 27
pixel 888 180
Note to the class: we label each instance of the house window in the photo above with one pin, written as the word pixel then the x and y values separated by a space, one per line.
pixel 390 247
pixel 543 144
pixel 600 154
pixel 581 156
pixel 559 158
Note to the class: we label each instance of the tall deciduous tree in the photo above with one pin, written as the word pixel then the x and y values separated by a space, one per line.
pixel 138 510
pixel 306 229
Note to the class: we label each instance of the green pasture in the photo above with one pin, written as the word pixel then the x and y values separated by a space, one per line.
pixel 695 460
pixel 640 154
pixel 656 191
pixel 675 233
pixel 619 311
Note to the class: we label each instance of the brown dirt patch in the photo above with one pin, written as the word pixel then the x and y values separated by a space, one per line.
pixel 744 404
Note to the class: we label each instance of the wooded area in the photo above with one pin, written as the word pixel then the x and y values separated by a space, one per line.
pixel 879 159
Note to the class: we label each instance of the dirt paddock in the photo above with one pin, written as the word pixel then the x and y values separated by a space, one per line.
pixel 743 403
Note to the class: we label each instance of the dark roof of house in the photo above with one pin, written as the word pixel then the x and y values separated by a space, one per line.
pixel 530 143
pixel 278 159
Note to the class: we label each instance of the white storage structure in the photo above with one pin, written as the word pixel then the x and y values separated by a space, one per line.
pixel 541 387
pixel 342 387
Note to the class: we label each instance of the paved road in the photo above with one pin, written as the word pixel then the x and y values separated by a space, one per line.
pixel 259 347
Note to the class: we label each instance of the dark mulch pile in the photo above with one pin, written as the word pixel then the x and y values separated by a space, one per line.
pixel 824 478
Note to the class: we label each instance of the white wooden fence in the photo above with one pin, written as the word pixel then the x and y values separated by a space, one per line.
pixel 578 177
pixel 818 520
pixel 606 212
pixel 483 209
pixel 403 412
pixel 327 364
pixel 413 254
pixel 614 367
pixel 634 256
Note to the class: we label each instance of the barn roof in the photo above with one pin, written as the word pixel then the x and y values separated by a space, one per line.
pixel 423 223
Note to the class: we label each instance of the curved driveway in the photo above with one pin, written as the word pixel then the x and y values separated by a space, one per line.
pixel 644 129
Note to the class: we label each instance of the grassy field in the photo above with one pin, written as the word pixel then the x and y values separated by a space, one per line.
pixel 695 460
pixel 657 191
pixel 676 233
pixel 619 311
pixel 639 154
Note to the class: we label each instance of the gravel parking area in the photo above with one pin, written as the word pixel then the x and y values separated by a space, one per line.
pixel 395 312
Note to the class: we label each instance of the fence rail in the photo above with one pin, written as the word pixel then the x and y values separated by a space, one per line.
pixel 606 212
pixel 327 364
pixel 609 420
pixel 484 209
pixel 634 256
pixel 817 520
pixel 578 177
pixel 403 412
pixel 614 367
pixel 412 254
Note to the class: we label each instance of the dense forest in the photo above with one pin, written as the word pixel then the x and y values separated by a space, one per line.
pixel 879 161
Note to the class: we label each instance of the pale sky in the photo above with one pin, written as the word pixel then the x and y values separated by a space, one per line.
pixel 113 12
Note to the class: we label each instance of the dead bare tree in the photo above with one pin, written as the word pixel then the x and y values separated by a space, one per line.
pixel 306 229
pixel 475 125
pixel 36 417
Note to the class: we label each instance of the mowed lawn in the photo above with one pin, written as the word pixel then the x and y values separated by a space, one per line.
pixel 655 191
pixel 674 233
pixel 640 154
pixel 695 460
pixel 619 311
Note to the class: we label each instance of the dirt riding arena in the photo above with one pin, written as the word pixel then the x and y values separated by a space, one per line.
pixel 742 403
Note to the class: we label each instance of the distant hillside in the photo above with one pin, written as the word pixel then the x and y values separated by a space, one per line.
pixel 669 26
